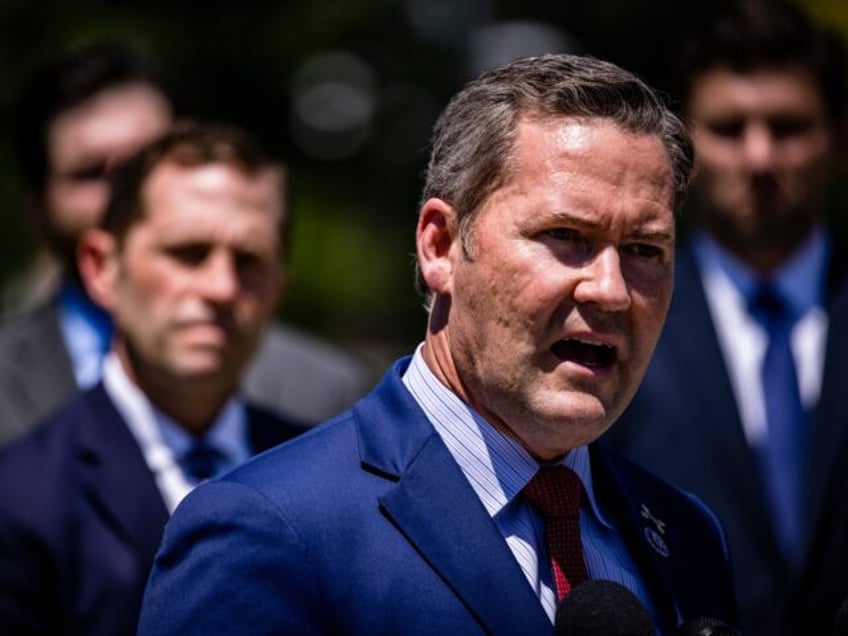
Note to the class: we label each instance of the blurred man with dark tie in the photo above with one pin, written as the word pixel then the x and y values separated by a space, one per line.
pixel 744 401
pixel 188 263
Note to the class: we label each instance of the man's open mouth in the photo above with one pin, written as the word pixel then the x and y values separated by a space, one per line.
pixel 596 355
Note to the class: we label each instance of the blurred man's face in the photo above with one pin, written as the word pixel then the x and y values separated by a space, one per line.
pixel 197 279
pixel 83 143
pixel 762 142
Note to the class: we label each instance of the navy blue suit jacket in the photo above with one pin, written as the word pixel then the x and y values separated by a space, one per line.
pixel 684 425
pixel 81 518
pixel 366 525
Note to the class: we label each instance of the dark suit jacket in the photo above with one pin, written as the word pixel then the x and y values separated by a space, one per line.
pixel 684 425
pixel 81 518
pixel 292 373
pixel 366 525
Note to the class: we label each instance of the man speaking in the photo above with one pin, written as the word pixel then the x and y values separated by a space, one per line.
pixel 466 493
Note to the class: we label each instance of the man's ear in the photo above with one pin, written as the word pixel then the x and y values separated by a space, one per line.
pixel 97 259
pixel 437 244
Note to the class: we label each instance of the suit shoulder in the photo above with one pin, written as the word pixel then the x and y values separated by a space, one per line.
pixel 305 377
pixel 32 346
pixel 319 455
pixel 21 324
pixel 287 344
pixel 56 430
pixel 39 466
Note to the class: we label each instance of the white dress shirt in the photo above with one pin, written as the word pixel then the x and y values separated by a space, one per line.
pixel 163 442
pixel 743 340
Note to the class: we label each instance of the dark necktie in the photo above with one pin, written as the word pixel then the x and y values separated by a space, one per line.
pixel 201 462
pixel 782 458
pixel 555 493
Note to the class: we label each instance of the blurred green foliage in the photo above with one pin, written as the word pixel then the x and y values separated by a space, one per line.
pixel 354 216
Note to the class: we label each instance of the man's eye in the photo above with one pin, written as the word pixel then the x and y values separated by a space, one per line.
pixel 192 255
pixel 248 262
pixel 785 127
pixel 728 129
pixel 94 172
pixel 564 234
pixel 644 250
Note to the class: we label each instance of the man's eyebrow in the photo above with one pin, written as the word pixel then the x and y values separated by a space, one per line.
pixel 570 219
pixel 656 236
pixel 643 234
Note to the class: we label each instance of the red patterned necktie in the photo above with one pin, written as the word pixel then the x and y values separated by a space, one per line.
pixel 555 493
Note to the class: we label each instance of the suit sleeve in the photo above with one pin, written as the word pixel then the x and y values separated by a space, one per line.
pixel 719 531
pixel 230 562
pixel 28 580
pixel 24 583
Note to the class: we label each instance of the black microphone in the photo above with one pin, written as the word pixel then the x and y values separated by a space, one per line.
pixel 840 623
pixel 602 608
pixel 706 626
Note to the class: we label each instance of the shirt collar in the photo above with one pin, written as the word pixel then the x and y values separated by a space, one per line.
pixel 161 439
pixel 74 302
pixel 809 263
pixel 496 466
pixel 86 330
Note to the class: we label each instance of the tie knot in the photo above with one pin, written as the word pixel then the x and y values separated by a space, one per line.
pixel 201 461
pixel 555 492
pixel 770 307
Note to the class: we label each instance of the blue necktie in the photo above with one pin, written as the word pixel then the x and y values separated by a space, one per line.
pixel 201 462
pixel 782 458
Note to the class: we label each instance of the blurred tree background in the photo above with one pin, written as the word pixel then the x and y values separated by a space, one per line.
pixel 345 91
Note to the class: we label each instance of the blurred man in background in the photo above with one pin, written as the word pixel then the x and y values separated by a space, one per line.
pixel 80 116
pixel 744 401
pixel 189 264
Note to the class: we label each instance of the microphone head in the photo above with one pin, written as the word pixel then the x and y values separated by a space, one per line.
pixel 706 626
pixel 840 623
pixel 602 608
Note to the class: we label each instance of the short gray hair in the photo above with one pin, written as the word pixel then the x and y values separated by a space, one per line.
pixel 473 137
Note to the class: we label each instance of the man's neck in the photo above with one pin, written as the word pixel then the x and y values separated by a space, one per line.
pixel 193 403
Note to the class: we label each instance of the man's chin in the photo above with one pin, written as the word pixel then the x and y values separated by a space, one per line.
pixel 206 365
pixel 580 410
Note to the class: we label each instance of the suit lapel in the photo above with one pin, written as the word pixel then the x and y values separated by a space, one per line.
pixel 690 332
pixel 626 506
pixel 116 478
pixel 678 556
pixel 437 511
pixel 830 421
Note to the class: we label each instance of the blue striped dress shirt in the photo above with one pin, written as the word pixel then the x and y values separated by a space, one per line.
pixel 498 467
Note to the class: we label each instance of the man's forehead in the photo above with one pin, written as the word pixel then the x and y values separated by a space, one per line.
pixel 114 122
pixel 790 86
pixel 214 179
pixel 178 195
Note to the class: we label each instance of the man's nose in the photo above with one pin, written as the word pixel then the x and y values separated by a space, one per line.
pixel 602 281
pixel 218 279
pixel 758 147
